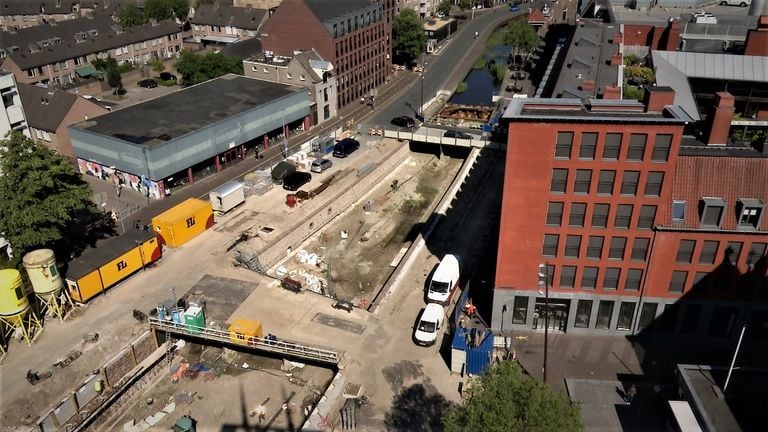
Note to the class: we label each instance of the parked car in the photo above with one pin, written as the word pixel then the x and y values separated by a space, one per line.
pixel 321 164
pixel 167 76
pixel 295 180
pixel 345 147
pixel 514 8
pixel 148 83
pixel 742 3
pixel 457 134
pixel 428 324
pixel 404 121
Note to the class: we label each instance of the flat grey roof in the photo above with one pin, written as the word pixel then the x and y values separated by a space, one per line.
pixel 576 110
pixel 169 117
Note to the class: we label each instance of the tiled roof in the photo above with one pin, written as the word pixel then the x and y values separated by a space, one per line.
pixel 231 16
pixel 729 178
pixel 52 7
pixel 326 10
pixel 45 108
pixel 46 44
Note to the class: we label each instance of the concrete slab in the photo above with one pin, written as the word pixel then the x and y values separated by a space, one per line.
pixel 603 407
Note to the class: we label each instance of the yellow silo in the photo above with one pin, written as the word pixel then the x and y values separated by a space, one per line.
pixel 46 281
pixel 14 306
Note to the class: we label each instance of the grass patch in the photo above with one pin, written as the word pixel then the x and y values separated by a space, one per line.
pixel 462 87
pixel 167 83
pixel 479 63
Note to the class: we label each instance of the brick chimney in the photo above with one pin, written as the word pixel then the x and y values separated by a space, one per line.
pixel 757 39
pixel 618 38
pixel 612 92
pixel 673 35
pixel 656 98
pixel 720 119
pixel 617 59
pixel 587 85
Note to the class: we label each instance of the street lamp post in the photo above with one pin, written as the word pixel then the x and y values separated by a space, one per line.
pixel 141 255
pixel 544 273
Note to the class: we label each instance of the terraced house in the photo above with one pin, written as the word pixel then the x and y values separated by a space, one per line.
pixel 19 14
pixel 220 24
pixel 60 53
pixel 353 35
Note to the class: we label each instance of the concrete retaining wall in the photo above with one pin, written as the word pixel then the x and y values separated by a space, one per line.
pixel 339 203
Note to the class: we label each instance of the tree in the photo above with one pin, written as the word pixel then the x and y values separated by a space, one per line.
pixel 444 8
pixel 43 200
pixel 129 16
pixel 408 33
pixel 157 65
pixel 203 2
pixel 506 401
pixel 196 68
pixel 109 65
pixel 466 4
pixel 521 36
pixel 166 9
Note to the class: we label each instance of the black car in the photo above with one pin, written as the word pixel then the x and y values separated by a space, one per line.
pixel 167 76
pixel 295 180
pixel 345 147
pixel 404 121
pixel 148 83
pixel 457 134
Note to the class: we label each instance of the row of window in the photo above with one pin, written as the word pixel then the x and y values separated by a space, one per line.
pixel 594 247
pixel 709 250
pixel 588 277
pixel 622 215
pixel 612 148
pixel 358 22
pixel 712 209
pixel 630 182
pixel 351 44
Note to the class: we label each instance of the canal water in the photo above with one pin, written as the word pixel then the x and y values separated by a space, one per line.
pixel 481 86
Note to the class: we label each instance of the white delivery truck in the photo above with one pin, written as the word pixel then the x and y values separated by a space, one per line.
pixel 444 281
pixel 227 196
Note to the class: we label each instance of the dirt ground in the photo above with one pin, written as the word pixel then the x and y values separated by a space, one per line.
pixel 225 393
pixel 361 263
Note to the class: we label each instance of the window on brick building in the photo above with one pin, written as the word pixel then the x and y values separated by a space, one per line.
pixel 595 247
pixel 661 147
pixel 550 245
pixel 712 210
pixel 626 314
pixel 634 277
pixel 611 281
pixel 733 252
pixel 554 213
pixel 685 251
pixel 756 250
pixel 678 211
pixel 572 246
pixel 588 145
pixel 576 218
pixel 750 213
pixel 583 314
pixel 636 150
pixel 589 278
pixel 654 183
pixel 612 147
pixel 600 215
pixel 563 145
pixel 677 282
pixel 708 252
pixel 605 183
pixel 604 314
pixel 618 245
pixel 623 216
pixel 647 315
pixel 520 310
pixel 567 276
pixel 583 179
pixel 629 182
pixel 698 277
pixel 640 248
pixel 647 217
pixel 559 180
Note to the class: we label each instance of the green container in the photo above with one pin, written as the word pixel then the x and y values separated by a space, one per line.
pixel 194 320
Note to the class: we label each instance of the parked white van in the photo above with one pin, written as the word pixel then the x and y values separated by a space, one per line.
pixel 429 324
pixel 444 281
pixel 742 3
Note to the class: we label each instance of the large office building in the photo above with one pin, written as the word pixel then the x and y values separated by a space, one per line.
pixel 627 224
pixel 352 35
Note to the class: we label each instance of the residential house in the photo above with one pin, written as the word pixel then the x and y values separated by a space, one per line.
pixel 61 53
pixel 218 24
pixel 19 14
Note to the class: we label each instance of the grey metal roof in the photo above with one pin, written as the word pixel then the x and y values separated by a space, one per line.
pixel 669 76
pixel 168 117
pixel 588 58
pixel 717 66
pixel 243 18
pixel 578 110
pixel 52 7
pixel 326 10
pixel 46 44
pixel 243 49
pixel 45 108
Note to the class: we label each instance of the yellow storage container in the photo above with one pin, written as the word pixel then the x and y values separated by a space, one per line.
pixel 183 222
pixel 241 331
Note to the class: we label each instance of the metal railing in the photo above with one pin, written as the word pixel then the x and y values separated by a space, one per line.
pixel 277 346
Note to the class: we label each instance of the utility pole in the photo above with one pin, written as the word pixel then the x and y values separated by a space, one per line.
pixel 544 273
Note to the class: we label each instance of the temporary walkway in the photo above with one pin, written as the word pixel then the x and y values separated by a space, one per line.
pixel 435 136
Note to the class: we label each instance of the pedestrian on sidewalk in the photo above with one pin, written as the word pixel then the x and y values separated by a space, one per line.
pixel 631 394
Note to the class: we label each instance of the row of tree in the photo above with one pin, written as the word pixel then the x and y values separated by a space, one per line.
pixel 131 15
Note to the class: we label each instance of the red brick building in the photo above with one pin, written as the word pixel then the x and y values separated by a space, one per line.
pixel 353 35
pixel 640 226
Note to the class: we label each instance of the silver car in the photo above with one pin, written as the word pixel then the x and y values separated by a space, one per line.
pixel 320 165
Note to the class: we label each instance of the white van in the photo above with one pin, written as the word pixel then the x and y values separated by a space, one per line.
pixel 429 324
pixel 444 281
pixel 742 3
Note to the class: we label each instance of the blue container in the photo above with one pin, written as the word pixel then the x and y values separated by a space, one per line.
pixel 160 312
pixel 177 316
